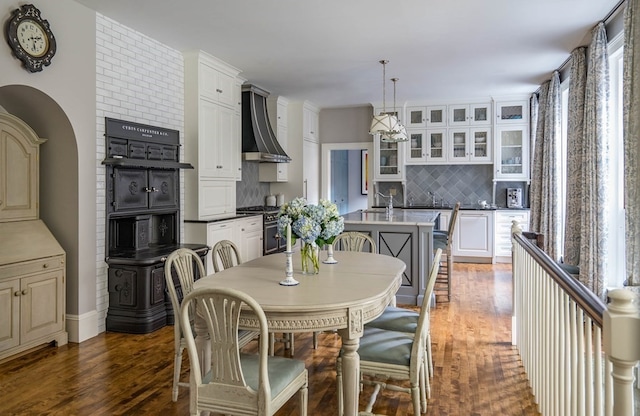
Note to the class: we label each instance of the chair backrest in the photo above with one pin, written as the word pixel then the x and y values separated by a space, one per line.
pixel 418 347
pixel 186 263
pixel 226 253
pixel 452 222
pixel 220 309
pixel 353 241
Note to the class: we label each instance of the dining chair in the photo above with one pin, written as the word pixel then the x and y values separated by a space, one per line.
pixel 445 242
pixel 225 254
pixel 406 320
pixel 350 241
pixel 395 355
pixel 238 383
pixel 184 264
pixel 354 241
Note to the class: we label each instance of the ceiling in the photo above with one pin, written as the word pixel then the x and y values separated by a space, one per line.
pixel 327 51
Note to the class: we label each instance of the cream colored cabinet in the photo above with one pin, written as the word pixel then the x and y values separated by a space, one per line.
pixel 212 136
pixel 18 172
pixel 249 237
pixel 504 220
pixel 32 262
pixel 473 236
pixel 238 122
pixel 512 152
pixel 32 306
pixel 277 108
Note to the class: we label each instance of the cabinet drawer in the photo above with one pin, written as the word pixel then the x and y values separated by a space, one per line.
pixel 33 266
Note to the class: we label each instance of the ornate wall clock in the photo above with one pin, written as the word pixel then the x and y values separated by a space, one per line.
pixel 30 38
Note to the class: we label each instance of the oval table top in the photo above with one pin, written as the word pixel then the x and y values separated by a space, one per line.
pixel 347 294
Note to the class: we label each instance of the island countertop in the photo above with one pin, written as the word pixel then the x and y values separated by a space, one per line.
pixel 398 217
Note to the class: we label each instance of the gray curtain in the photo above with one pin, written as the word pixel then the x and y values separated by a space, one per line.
pixel 631 104
pixel 545 215
pixel 575 137
pixel 595 158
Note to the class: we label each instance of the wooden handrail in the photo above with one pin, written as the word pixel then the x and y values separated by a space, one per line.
pixel 585 298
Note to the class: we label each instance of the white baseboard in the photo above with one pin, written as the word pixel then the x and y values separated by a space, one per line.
pixel 82 327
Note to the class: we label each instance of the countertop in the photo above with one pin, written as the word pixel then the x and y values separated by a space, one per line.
pixel 399 216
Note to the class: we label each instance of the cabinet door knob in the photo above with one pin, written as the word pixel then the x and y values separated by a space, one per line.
pixel 16 293
pixel 25 291
pixel 219 90
pixel 44 266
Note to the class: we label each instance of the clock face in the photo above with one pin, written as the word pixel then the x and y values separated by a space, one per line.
pixel 32 38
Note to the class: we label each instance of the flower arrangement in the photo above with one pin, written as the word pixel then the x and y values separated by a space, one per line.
pixel 315 225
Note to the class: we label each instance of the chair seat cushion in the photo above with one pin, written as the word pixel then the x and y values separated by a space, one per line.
pixel 281 371
pixel 396 319
pixel 383 346
pixel 437 243
pixel 569 268
pixel 441 234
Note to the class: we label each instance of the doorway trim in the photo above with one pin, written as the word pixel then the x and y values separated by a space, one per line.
pixel 325 170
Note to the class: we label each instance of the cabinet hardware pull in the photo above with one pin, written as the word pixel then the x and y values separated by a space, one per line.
pixel 16 293
pixel 44 266
pixel 25 292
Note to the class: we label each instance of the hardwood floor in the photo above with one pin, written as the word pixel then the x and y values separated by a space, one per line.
pixel 477 371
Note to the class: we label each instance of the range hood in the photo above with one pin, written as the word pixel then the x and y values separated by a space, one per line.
pixel 259 143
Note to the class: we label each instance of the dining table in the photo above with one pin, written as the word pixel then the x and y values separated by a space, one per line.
pixel 343 296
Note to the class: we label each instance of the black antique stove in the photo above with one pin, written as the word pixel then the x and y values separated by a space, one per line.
pixel 142 229
pixel 272 241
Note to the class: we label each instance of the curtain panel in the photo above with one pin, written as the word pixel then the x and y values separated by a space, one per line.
pixel 595 156
pixel 545 215
pixel 631 114
pixel 575 137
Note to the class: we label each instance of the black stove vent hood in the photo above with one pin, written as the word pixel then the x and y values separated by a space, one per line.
pixel 259 143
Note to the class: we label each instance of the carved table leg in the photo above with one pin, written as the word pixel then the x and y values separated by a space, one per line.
pixel 350 373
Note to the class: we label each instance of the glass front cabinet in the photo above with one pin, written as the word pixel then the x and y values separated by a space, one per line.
pixel 512 112
pixel 512 152
pixel 389 160
pixel 470 145
pixel 416 150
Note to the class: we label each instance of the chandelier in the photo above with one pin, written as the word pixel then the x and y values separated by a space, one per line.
pixel 384 124
pixel 400 132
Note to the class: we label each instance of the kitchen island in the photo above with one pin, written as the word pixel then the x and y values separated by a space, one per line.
pixel 404 234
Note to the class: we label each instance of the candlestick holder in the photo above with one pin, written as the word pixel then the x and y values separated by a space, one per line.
pixel 288 271
pixel 330 259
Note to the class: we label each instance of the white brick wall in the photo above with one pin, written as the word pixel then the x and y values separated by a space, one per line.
pixel 137 79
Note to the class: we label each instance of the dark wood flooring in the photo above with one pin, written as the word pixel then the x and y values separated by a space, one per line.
pixel 477 371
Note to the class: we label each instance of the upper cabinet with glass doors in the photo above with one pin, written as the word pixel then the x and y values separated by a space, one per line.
pixel 512 112
pixel 512 152
pixel 431 116
pixel 470 115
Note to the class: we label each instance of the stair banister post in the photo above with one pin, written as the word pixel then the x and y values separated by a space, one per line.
pixel 621 330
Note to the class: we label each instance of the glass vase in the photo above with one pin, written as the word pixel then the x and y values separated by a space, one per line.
pixel 310 261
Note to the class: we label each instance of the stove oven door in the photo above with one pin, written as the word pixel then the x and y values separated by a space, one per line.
pixel 271 238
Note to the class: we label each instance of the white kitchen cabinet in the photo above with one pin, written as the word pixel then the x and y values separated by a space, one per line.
pixel 458 115
pixel 249 237
pixel 212 136
pixel 480 144
pixel 436 116
pixel 511 160
pixel 277 108
pixel 311 171
pixel 388 163
pixel 218 231
pixel 503 244
pixel 473 236
pixel 416 147
pixel 416 117
pixel 458 144
pixel 512 112
pixel 436 146
pixel 238 122
pixel 310 123
pixel 470 114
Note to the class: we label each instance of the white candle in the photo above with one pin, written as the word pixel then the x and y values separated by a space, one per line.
pixel 288 237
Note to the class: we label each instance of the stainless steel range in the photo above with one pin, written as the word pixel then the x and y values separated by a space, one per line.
pixel 272 241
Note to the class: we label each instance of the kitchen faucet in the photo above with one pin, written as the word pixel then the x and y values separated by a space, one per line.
pixel 390 205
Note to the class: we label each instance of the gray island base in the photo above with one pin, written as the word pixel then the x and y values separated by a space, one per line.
pixel 406 235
